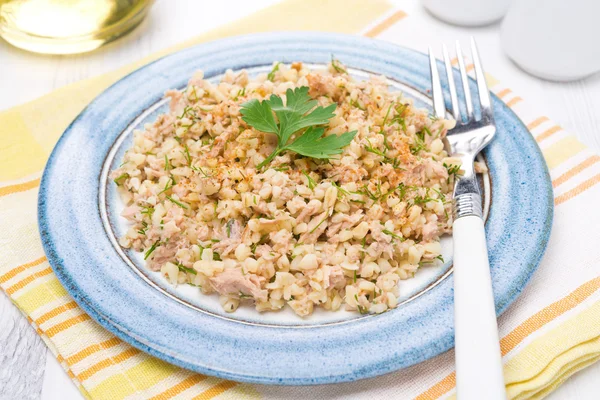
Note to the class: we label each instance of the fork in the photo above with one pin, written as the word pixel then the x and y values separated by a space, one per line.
pixel 477 350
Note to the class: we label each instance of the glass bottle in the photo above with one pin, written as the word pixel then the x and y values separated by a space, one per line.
pixel 68 26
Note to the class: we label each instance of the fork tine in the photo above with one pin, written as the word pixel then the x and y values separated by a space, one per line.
pixel 484 94
pixel 451 85
pixel 465 81
pixel 439 107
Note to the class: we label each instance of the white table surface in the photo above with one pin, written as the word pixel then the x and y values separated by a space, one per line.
pixel 27 369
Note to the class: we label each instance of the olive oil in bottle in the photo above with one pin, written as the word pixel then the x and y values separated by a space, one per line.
pixel 68 26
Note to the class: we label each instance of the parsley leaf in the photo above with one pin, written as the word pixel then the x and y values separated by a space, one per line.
pixel 298 113
pixel 258 114
pixel 313 144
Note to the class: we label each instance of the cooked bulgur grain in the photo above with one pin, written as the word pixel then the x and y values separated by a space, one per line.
pixel 301 231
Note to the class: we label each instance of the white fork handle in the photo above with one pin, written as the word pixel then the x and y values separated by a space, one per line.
pixel 479 372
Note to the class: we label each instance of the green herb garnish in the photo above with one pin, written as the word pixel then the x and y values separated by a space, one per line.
pixel 319 224
pixel 271 75
pixel 311 182
pixel 199 169
pixel 392 234
pixel 360 308
pixel 148 210
pixel 183 268
pixel 151 249
pixel 170 183
pixel 186 154
pixel 399 118
pixel 337 66
pixel 341 190
pixel 228 227
pixel 240 92
pixel 356 104
pixel 172 200
pixel 168 165
pixel 144 229
pixel 298 113
pixel 121 179
pixel 452 170
pixel 387 114
pixel 419 144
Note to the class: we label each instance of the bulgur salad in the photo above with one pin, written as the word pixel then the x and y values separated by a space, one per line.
pixel 298 187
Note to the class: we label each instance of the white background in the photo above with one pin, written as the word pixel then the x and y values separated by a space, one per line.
pixel 27 369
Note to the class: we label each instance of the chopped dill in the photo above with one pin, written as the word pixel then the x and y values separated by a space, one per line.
pixel 168 165
pixel 452 170
pixel 311 182
pixel 399 118
pixel 401 188
pixel 392 234
pixel 360 308
pixel 373 196
pixel 172 200
pixel 149 210
pixel 186 154
pixel 196 98
pixel 228 227
pixel 373 150
pixel 183 268
pixel 356 104
pixel 394 161
pixel 151 249
pixel 199 169
pixel 144 228
pixel 319 224
pixel 188 112
pixel 241 92
pixel 170 183
pixel 121 179
pixel 271 75
pixel 337 65
pixel 341 190
pixel 419 144
pixel 387 114
pixel 440 194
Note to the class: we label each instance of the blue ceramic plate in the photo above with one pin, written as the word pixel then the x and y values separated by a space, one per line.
pixel 79 223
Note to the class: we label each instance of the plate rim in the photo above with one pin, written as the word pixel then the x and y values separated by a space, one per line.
pixel 122 332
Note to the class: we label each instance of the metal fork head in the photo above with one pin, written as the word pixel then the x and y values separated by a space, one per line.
pixel 471 134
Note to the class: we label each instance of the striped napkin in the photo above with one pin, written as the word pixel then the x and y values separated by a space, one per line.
pixel 548 334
